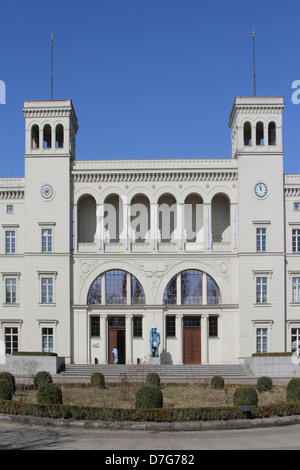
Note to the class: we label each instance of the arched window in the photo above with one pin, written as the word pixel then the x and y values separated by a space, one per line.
pixel 116 287
pixel 272 133
pixel 47 136
pixel 35 137
pixel 59 136
pixel 259 133
pixel 247 133
pixel 193 289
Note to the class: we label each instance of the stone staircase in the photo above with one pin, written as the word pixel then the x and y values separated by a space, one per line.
pixel 168 373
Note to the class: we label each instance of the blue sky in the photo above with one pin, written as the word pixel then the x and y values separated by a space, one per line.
pixel 148 78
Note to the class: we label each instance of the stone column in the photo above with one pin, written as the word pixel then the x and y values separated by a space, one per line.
pixel 103 339
pixel 129 339
pixel 204 339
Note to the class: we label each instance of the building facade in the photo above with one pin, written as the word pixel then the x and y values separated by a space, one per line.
pixel 96 253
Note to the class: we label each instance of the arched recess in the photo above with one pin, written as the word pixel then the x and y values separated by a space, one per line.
pixel 87 222
pixel 220 214
pixel 192 287
pixel 140 218
pixel 59 136
pixel 113 218
pixel 259 133
pixel 116 287
pixel 247 133
pixel 167 217
pixel 193 218
pixel 272 133
pixel 35 137
pixel 47 136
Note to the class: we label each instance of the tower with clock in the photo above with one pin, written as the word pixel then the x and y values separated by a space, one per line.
pixel 50 130
pixel 256 135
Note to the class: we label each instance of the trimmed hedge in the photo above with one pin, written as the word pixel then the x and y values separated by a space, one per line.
pixel 272 354
pixel 245 395
pixel 153 379
pixel 49 393
pixel 42 377
pixel 158 415
pixel 11 379
pixel 293 390
pixel 217 382
pixel 264 384
pixel 97 380
pixel 33 353
pixel 149 396
pixel 5 390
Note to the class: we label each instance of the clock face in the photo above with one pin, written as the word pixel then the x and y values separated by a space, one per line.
pixel 46 191
pixel 261 189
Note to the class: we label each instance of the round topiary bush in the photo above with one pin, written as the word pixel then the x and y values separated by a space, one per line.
pixel 50 394
pixel 245 395
pixel 42 377
pixel 264 384
pixel 149 396
pixel 10 377
pixel 217 382
pixel 97 380
pixel 5 390
pixel 153 379
pixel 293 390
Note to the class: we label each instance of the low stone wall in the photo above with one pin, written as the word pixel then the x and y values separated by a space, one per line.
pixel 28 366
pixel 273 366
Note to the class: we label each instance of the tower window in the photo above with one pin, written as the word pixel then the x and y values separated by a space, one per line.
pixel 247 134
pixel 59 136
pixel 47 136
pixel 35 137
pixel 259 133
pixel 272 133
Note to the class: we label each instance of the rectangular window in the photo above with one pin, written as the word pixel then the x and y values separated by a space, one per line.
pixel 10 242
pixel 11 340
pixel 47 339
pixel 171 326
pixel 9 209
pixel 261 290
pixel 47 290
pixel 261 340
pixel 47 240
pixel 296 290
pixel 295 339
pixel 10 291
pixel 95 326
pixel 296 240
pixel 261 238
pixel 137 327
pixel 213 326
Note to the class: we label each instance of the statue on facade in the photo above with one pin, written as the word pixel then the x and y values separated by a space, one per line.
pixel 154 341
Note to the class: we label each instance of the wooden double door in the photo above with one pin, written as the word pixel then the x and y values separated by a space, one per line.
pixel 116 338
pixel 192 340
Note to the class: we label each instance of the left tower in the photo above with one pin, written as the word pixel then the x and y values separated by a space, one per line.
pixel 50 133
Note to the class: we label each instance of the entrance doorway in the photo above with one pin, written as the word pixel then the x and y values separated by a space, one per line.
pixel 116 338
pixel 192 340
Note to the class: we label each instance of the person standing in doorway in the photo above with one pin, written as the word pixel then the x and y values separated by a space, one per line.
pixel 115 354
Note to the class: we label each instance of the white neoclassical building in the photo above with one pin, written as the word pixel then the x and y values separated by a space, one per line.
pixel 95 252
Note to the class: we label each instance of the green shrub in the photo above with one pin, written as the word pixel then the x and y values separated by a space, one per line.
pixel 42 377
pixel 10 377
pixel 153 379
pixel 5 390
pixel 49 393
pixel 293 390
pixel 97 380
pixel 245 395
pixel 264 384
pixel 149 396
pixel 217 382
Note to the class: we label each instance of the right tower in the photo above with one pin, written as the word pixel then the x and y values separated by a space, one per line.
pixel 256 135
